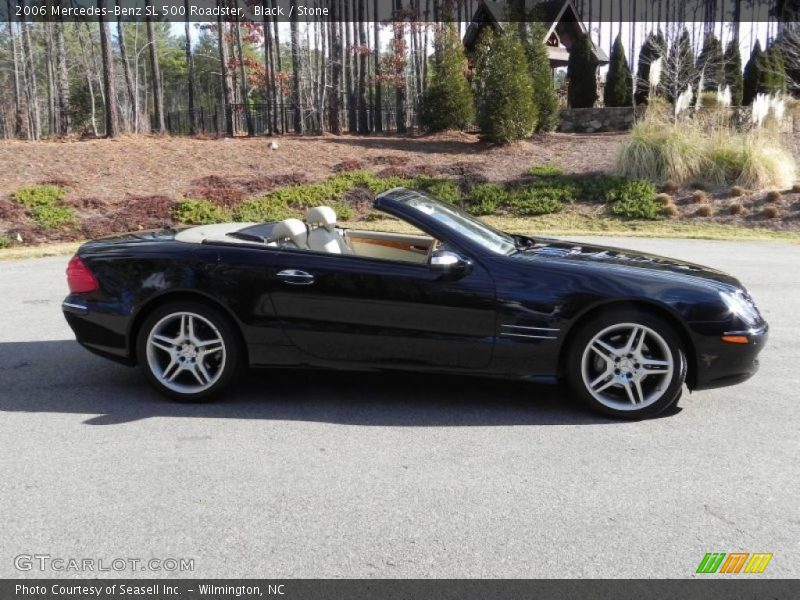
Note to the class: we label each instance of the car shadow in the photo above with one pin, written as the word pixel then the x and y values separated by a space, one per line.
pixel 62 377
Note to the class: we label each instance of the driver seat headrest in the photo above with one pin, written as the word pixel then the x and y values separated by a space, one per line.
pixel 323 216
pixel 291 229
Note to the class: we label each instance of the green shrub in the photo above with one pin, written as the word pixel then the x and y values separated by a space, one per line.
pixel 199 212
pixel 582 73
pixel 544 92
pixel 545 171
pixel 263 210
pixel 447 102
pixel 485 199
pixel 504 89
pixel 733 71
pixel 443 189
pixel 629 190
pixel 637 208
pixel 535 201
pixel 344 211
pixel 43 205
pixel 5 241
pixel 619 81
pixel 39 195
pixel 52 216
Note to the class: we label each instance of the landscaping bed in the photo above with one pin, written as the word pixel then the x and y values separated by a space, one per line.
pixel 521 182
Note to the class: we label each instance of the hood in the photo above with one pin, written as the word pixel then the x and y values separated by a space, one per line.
pixel 551 249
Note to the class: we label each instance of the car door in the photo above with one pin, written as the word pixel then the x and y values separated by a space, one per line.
pixel 338 307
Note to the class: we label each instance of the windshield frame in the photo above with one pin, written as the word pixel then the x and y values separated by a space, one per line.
pixel 493 241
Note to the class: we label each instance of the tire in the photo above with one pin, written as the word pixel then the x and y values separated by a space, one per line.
pixel 622 377
pixel 188 351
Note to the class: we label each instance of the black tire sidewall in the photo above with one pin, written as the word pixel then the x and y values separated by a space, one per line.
pixel 229 338
pixel 579 342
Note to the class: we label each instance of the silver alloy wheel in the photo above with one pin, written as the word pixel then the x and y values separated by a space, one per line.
pixel 186 352
pixel 627 366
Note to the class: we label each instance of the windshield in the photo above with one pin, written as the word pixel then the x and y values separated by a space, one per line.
pixel 464 223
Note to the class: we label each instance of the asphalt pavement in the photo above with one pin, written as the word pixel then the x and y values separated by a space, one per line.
pixel 316 474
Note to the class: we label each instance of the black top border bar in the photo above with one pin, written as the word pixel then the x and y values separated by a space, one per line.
pixel 590 12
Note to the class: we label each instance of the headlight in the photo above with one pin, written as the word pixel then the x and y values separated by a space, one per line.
pixel 741 306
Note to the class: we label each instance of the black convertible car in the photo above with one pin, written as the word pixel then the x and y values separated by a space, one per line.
pixel 625 330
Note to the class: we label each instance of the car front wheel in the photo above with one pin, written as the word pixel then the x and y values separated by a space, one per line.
pixel 628 364
pixel 188 351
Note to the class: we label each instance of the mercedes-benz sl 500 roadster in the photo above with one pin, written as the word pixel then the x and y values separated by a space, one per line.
pixel 626 331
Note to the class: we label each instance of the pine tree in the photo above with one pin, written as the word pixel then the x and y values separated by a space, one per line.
pixel 544 92
pixel 753 77
pixel 710 63
pixel 733 72
pixel 776 71
pixel 447 102
pixel 619 82
pixel 504 90
pixel 647 54
pixel 582 73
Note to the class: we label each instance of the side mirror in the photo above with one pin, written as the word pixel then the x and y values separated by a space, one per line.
pixel 449 262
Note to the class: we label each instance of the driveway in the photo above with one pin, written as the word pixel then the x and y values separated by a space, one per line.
pixel 314 474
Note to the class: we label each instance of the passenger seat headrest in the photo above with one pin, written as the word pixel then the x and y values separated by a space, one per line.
pixel 321 215
pixel 293 229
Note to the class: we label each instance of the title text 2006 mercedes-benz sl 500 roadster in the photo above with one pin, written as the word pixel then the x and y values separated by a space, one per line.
pixel 625 330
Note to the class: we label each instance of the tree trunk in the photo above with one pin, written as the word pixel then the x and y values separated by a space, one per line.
pixel 348 70
pixel 18 115
pixel 112 123
pixel 400 86
pixel 335 102
pixel 378 85
pixel 225 77
pixel 279 65
pixel 268 75
pixel 126 70
pixel 297 118
pixel 189 70
pixel 363 123
pixel 33 93
pixel 63 80
pixel 243 79
pixel 155 74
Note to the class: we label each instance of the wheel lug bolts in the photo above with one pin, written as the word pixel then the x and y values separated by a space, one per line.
pixel 616 371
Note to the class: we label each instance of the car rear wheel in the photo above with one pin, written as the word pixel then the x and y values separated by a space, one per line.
pixel 628 364
pixel 188 351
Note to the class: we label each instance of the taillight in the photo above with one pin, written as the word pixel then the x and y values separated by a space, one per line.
pixel 79 278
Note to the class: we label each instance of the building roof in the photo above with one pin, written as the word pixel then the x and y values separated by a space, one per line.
pixel 554 13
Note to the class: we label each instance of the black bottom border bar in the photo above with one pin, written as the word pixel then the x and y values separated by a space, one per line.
pixel 733 588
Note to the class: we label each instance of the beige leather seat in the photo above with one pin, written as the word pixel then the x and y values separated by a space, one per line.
pixel 292 230
pixel 322 236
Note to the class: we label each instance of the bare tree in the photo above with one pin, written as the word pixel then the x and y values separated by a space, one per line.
pixel 378 108
pixel 63 80
pixel 32 93
pixel 19 118
pixel 363 124
pixel 297 118
pixel 224 75
pixel 335 101
pixel 189 70
pixel 155 74
pixel 133 97
pixel 112 122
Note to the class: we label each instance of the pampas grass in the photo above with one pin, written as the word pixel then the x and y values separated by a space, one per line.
pixel 706 149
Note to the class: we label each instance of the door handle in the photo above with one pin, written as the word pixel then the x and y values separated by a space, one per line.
pixel 295 277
